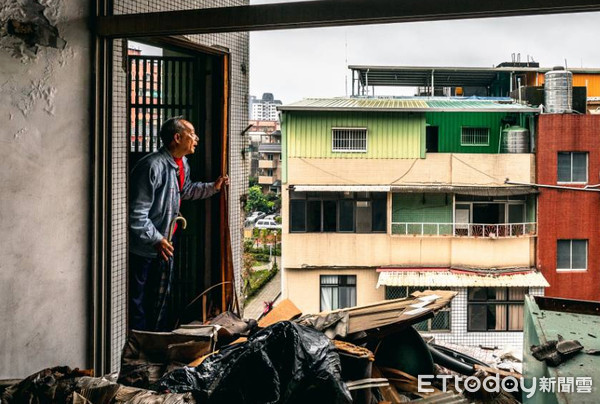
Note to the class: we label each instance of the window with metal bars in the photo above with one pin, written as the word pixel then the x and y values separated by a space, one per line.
pixel 348 140
pixel 160 88
pixel 440 321
pixel 471 136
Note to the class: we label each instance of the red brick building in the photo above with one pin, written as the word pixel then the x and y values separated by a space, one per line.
pixel 568 248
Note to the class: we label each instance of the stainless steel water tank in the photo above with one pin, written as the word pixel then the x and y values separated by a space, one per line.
pixel 515 139
pixel 558 90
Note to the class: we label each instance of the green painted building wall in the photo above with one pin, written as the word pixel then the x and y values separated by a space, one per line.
pixel 450 126
pixel 421 208
pixel 390 135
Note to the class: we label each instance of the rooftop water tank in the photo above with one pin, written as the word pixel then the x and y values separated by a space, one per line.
pixel 515 139
pixel 558 90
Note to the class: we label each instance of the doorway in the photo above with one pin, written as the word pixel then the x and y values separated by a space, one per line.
pixel 189 83
pixel 431 139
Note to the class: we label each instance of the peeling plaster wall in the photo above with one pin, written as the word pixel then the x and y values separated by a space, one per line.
pixel 44 193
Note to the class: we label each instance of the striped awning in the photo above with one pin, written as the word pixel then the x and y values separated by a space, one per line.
pixel 461 279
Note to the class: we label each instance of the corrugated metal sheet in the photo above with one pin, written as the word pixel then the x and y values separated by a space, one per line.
pixel 450 128
pixel 545 318
pixel 389 135
pixel 409 104
pixel 446 278
pixel 342 188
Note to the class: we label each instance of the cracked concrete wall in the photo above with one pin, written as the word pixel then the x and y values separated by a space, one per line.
pixel 44 190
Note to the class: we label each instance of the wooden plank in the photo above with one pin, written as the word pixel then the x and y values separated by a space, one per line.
pixel 285 310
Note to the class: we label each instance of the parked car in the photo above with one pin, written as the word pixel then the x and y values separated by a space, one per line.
pixel 253 217
pixel 267 224
pixel 257 215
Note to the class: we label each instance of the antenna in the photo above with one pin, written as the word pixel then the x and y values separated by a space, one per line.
pixel 346 50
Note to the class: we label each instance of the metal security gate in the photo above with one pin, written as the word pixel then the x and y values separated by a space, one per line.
pixel 159 87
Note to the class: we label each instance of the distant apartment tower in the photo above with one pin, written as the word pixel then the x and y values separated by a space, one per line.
pixel 264 109
pixel 265 161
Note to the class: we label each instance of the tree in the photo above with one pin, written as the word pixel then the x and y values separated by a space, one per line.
pixel 276 199
pixel 257 201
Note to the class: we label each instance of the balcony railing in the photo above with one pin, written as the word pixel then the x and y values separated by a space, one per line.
pixel 495 230
pixel 267 164
pixel 266 180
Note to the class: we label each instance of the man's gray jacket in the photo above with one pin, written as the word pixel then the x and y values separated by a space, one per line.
pixel 155 199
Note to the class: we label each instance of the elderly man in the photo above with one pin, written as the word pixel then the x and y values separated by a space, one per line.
pixel 158 184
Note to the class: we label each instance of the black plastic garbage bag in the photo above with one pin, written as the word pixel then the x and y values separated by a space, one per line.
pixel 284 363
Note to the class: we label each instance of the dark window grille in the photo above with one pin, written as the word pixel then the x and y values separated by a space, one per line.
pixel 159 88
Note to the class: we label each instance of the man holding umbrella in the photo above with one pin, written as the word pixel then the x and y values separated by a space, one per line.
pixel 159 182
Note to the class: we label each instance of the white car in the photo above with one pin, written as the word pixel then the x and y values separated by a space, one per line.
pixel 267 224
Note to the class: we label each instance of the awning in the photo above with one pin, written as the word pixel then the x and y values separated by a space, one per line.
pixel 461 279
pixel 341 188
pixel 466 189
pixel 506 190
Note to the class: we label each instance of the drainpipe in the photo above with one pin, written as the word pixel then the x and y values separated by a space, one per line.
pixel 587 188
pixel 432 83
pixel 367 81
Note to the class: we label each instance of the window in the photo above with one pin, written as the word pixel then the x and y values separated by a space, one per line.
pixel 344 212
pixel 440 320
pixel 338 292
pixel 349 140
pixel 572 167
pixel 571 255
pixel 495 309
pixel 474 136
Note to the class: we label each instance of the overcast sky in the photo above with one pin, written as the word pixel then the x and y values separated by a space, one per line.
pixel 295 64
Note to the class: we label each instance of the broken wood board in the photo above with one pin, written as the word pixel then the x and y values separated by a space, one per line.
pixel 284 311
pixel 396 311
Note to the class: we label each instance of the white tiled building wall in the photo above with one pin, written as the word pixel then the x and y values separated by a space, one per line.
pixel 460 336
pixel 237 45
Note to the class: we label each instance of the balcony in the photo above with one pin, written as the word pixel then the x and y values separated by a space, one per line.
pixel 267 164
pixel 266 180
pixel 493 230
pixel 376 249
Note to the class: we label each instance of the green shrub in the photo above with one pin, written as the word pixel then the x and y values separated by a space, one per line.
pixel 257 280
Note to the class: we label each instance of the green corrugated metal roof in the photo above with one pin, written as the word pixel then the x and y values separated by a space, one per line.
pixel 412 104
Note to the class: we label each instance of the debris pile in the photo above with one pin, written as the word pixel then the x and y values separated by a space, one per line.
pixel 367 354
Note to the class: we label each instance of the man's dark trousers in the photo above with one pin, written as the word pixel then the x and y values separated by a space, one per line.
pixel 144 281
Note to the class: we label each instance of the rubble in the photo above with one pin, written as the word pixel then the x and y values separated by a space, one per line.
pixel 366 354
